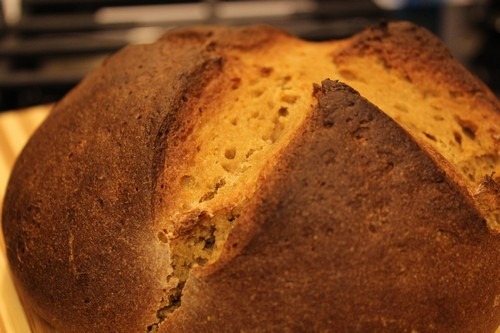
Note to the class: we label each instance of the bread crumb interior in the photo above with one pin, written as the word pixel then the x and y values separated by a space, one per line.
pixel 252 110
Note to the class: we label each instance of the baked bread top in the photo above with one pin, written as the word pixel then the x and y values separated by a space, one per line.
pixel 210 181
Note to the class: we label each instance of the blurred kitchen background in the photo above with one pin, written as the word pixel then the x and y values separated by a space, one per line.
pixel 47 46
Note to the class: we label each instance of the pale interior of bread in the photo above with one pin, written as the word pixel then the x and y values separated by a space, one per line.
pixel 252 112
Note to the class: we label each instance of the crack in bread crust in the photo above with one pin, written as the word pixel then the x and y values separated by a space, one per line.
pixel 388 214
pixel 248 113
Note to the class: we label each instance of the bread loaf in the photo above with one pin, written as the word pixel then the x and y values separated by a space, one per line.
pixel 243 180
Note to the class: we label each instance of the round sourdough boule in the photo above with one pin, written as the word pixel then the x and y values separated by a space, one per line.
pixel 214 181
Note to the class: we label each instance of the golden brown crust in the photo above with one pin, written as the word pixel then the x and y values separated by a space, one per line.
pixel 86 201
pixel 388 243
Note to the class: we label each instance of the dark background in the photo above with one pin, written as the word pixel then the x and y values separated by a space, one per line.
pixel 52 44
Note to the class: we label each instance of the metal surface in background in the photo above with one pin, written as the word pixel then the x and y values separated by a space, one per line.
pixel 47 46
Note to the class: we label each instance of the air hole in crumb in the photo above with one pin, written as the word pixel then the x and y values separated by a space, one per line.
pixel 430 136
pixel 438 118
pixel 162 237
pixel 220 184
pixel 207 196
pixel 234 121
pixel 249 153
pixel 210 242
pixel 235 83
pixel 211 194
pixel 201 261
pixel 230 153
pixel 468 127
pixel 266 71
pixel 187 181
pixel 469 132
pixel 458 137
pixel 283 111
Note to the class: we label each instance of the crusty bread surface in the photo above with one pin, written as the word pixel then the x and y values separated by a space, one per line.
pixel 241 179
